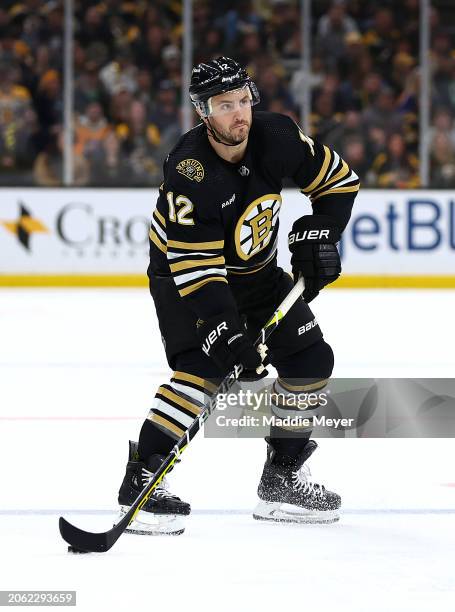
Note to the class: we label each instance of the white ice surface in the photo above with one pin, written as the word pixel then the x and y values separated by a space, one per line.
pixel 78 369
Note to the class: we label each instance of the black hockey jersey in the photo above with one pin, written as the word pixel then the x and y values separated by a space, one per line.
pixel 215 219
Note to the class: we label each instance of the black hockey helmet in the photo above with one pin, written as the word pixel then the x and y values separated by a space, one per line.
pixel 219 76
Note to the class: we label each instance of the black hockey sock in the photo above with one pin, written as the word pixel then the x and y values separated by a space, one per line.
pixel 290 446
pixel 152 440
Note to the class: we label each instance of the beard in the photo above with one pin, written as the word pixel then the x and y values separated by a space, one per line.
pixel 228 137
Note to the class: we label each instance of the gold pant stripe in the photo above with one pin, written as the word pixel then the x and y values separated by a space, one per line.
pixel 196 380
pixel 159 420
pixel 179 400
pixel 320 384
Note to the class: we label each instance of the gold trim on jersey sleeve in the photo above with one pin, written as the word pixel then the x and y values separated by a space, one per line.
pixel 160 217
pixel 349 189
pixel 199 284
pixel 341 174
pixel 195 246
pixel 157 242
pixel 195 263
pixel 322 172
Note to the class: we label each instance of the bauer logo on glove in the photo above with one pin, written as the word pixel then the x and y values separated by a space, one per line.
pixel 308 235
pixel 312 242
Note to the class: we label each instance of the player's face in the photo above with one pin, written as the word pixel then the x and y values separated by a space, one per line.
pixel 231 115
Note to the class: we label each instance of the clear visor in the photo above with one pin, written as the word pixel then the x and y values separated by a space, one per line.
pixel 230 102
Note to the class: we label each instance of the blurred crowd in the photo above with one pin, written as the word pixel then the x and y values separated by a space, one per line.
pixel 127 83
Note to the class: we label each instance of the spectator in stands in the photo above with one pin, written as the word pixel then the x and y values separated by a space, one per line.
pixel 209 46
pixel 171 69
pixel 396 168
pixel 140 145
pixel 331 33
pixel 108 167
pixel 240 18
pixel 272 86
pixel 382 39
pixel 145 89
pixel 324 121
pixel 91 129
pixel 120 73
pixel 250 47
pixel 376 142
pixel 355 155
pixel 149 48
pixel 94 28
pixel 19 145
pixel 350 128
pixel 382 111
pixel 442 161
pixel 48 166
pixel 443 124
pixel 120 106
pixel 14 98
pixel 89 88
pixel 165 115
pixel 49 102
pixel 284 28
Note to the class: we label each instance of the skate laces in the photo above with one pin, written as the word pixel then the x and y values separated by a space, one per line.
pixel 162 489
pixel 301 481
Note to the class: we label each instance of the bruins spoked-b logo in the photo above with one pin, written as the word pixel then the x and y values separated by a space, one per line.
pixel 192 169
pixel 255 227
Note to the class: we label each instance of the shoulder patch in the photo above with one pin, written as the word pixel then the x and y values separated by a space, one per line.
pixel 192 169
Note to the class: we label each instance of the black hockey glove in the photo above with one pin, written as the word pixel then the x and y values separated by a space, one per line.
pixel 312 242
pixel 224 340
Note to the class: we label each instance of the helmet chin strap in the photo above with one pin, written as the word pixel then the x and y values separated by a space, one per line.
pixel 215 137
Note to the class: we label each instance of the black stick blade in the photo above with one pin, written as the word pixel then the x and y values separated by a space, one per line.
pixel 86 541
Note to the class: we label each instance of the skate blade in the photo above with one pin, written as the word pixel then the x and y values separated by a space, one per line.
pixel 147 523
pixel 288 513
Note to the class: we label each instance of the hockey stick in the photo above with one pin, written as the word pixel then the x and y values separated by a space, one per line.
pixel 86 541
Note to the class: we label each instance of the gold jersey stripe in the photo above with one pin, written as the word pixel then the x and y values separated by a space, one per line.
pixel 159 216
pixel 196 380
pixel 312 186
pixel 179 400
pixel 341 174
pixel 156 418
pixel 201 283
pixel 195 263
pixel 320 384
pixel 349 189
pixel 157 241
pixel 195 246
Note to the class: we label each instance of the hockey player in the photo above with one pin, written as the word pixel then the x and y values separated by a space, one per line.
pixel 213 242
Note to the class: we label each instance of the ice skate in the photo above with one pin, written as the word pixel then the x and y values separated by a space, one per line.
pixel 163 512
pixel 287 493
